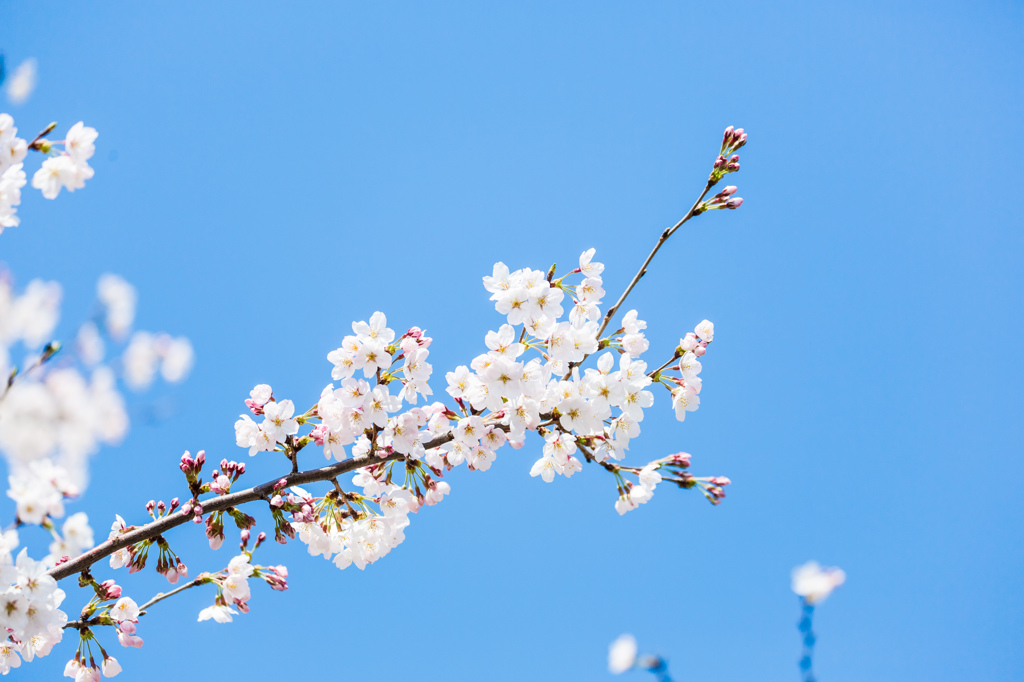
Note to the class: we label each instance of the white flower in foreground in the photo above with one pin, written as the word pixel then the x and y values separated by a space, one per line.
pixel 56 172
pixel 622 654
pixel 79 142
pixel 814 583
pixel 125 609
pixel 705 330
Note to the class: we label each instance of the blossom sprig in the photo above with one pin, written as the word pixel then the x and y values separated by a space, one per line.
pixel 123 615
pixel 375 420
pixel 68 168
pixel 728 161
pixel 723 199
pixel 232 585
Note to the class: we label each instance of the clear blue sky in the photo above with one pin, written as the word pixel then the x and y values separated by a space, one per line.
pixel 267 173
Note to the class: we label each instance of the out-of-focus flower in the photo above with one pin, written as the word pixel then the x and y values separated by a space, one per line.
pixel 814 583
pixel 118 297
pixel 22 82
pixel 622 654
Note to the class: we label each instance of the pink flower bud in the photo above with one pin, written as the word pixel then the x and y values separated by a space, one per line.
pixel 700 351
pixel 277 501
pixel 127 627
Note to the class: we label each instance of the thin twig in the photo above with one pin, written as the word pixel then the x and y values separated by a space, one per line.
pixel 666 233
pixel 160 596
pixel 671 360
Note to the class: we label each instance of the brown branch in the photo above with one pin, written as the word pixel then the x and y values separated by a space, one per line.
pixel 215 504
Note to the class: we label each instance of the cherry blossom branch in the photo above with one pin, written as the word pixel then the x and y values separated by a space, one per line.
pixel 219 503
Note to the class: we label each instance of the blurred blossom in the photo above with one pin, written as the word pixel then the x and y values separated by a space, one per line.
pixel 22 82
pixel 31 317
pixel 146 353
pixel 815 583
pixel 622 654
pixel 140 361
pixel 177 359
pixel 90 345
pixel 118 297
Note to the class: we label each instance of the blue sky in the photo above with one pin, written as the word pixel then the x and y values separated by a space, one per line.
pixel 265 175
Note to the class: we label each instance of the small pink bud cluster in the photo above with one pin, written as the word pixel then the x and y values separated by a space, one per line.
pixel 245 535
pixel 692 342
pixel 228 473
pixel 318 433
pixel 195 509
pixel 108 589
pixel 159 509
pixel 275 576
pixel 732 140
pixel 728 161
pixel 723 199
pixel 192 468
pixel 712 488
pixel 168 564
pixel 417 335
pixel 215 530
pixel 126 634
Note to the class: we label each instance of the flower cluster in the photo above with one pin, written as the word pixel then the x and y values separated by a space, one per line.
pixel 28 606
pixel 345 529
pixel 66 169
pixel 589 415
